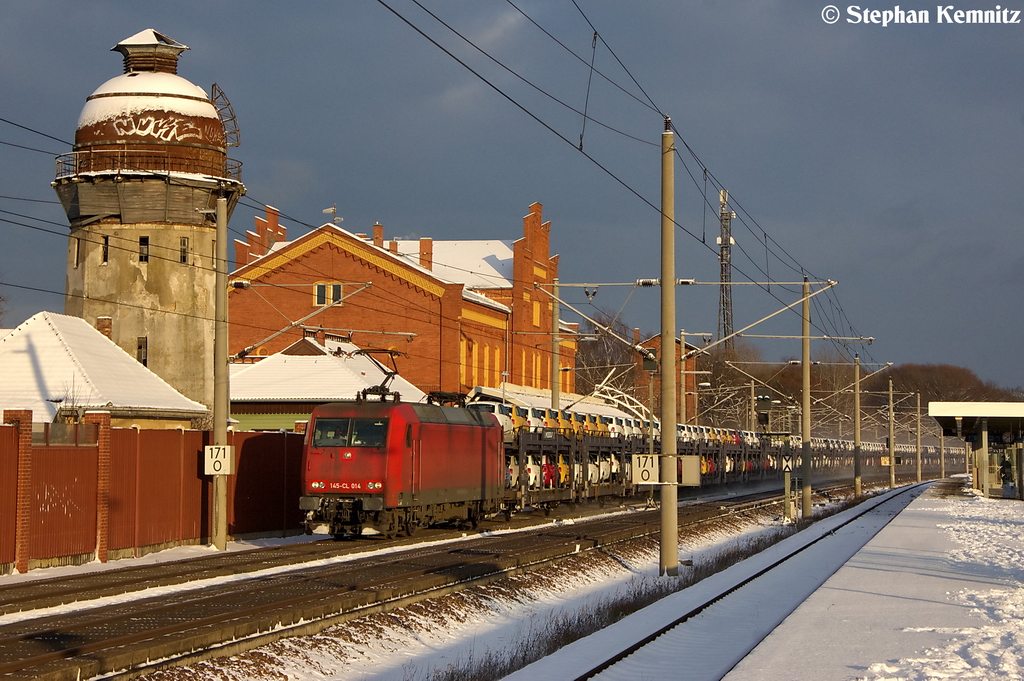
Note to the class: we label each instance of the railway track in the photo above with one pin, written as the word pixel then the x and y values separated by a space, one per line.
pixel 625 658
pixel 285 598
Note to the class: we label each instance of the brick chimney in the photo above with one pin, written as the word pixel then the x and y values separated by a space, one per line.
pixel 427 253
pixel 105 326
pixel 378 235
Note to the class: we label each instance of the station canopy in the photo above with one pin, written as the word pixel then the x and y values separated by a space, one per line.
pixel 1004 419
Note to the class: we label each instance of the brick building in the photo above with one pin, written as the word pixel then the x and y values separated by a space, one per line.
pixel 462 313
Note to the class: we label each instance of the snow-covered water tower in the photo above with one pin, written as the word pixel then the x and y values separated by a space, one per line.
pixel 139 190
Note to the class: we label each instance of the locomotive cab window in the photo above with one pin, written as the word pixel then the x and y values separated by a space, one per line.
pixel 345 432
pixel 331 432
pixel 369 432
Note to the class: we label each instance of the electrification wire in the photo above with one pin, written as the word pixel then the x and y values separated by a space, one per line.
pixel 597 35
pixel 612 52
pixel 490 84
pixel 20 146
pixel 18 198
pixel 590 80
pixel 509 70
pixel 33 130
pixel 581 59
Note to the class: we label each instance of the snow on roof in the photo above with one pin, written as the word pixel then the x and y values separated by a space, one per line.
pixel 139 91
pixel 494 259
pixel 977 409
pixel 476 264
pixel 484 300
pixel 53 360
pixel 338 374
pixel 525 396
pixel 149 36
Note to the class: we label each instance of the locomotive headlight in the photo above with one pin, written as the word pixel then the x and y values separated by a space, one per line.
pixel 318 485
pixel 374 485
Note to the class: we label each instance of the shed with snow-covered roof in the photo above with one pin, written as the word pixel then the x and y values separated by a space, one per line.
pixel 277 391
pixel 59 367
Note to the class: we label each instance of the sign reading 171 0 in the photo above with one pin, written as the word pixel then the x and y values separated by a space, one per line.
pixel 220 459
pixel 645 469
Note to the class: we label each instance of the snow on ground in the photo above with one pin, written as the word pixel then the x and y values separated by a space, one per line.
pixel 974 629
pixel 445 636
pixel 989 549
pixel 937 594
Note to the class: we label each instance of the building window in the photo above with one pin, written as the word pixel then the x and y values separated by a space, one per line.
pixel 183 255
pixel 143 249
pixel 106 249
pixel 485 377
pixel 462 360
pixel 326 294
pixel 142 350
pixel 536 313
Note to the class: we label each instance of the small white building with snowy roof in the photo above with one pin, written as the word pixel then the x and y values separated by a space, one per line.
pixel 60 366
pixel 278 391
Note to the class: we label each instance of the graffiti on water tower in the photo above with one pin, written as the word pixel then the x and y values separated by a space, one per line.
pixel 167 127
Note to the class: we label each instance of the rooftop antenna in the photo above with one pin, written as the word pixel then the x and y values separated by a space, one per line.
pixel 333 210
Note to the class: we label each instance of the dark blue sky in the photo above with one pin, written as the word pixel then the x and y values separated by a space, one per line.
pixel 885 158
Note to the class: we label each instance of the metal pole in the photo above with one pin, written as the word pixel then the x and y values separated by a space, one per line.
pixel 919 437
pixel 753 408
pixel 669 511
pixel 892 440
pixel 220 374
pixel 787 484
pixel 805 425
pixel 942 453
pixel 983 461
pixel 682 376
pixel 856 427
pixel 556 373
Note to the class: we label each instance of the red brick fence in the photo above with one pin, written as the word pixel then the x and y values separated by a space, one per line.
pixel 73 494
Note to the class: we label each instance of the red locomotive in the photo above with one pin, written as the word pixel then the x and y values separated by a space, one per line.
pixel 395 467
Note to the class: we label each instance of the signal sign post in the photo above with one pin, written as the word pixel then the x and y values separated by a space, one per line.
pixel 645 469
pixel 787 473
pixel 219 460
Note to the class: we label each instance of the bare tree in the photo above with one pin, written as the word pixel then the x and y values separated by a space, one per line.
pixel 726 403
pixel 605 355
pixel 941 382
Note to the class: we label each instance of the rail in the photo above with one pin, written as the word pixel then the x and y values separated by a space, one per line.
pixel 121 637
pixel 802 542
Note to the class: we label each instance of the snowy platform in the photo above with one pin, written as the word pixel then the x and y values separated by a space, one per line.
pixel 935 594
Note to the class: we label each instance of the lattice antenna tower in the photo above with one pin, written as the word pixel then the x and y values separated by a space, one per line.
pixel 725 244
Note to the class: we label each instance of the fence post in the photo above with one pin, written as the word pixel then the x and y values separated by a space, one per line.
pixel 22 420
pixel 102 420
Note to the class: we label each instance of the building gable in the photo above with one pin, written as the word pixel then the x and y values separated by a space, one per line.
pixel 329 235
